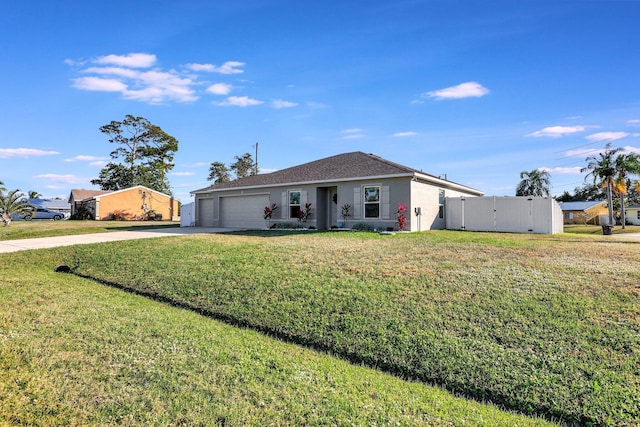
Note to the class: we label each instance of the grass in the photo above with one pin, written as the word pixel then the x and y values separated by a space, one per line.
pixel 546 325
pixel 41 228
pixel 74 352
pixel 597 230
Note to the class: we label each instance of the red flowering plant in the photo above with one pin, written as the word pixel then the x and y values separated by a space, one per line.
pixel 304 214
pixel 268 213
pixel 401 219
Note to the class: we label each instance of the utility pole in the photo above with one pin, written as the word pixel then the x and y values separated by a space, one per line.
pixel 255 168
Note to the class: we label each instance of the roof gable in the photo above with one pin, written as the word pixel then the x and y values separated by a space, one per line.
pixel 341 167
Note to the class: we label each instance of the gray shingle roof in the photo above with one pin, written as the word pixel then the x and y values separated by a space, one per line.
pixel 335 168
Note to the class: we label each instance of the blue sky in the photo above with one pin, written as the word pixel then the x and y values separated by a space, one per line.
pixel 474 90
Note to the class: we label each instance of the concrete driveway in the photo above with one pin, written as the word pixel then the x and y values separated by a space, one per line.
pixel 83 239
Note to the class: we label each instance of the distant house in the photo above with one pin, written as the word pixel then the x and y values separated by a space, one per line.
pixel 130 203
pixel 583 212
pixel 366 187
pixel 51 204
pixel 632 214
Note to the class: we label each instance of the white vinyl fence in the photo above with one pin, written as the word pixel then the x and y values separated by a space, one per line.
pixel 540 215
pixel 187 215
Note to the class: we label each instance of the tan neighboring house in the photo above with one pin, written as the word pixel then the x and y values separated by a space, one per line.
pixel 583 212
pixel 130 203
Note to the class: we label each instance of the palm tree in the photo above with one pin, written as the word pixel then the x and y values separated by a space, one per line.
pixel 625 166
pixel 34 195
pixel 534 183
pixel 12 203
pixel 2 187
pixel 602 169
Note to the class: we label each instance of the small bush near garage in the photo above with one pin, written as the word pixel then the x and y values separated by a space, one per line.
pixel 363 227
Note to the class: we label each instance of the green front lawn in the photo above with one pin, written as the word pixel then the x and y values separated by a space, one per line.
pixel 75 352
pixel 547 325
pixel 45 228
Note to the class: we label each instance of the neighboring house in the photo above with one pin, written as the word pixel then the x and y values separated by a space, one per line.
pixel 632 214
pixel 372 186
pixel 51 204
pixel 131 203
pixel 583 212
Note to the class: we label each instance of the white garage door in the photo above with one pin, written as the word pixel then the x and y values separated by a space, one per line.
pixel 243 211
pixel 205 213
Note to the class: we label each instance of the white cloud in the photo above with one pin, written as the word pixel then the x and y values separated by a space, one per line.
pixel 8 153
pixel 354 133
pixel 84 158
pixel 404 134
pixel 239 101
pixel 281 103
pixel 563 171
pixel 67 179
pixel 633 122
pixel 219 89
pixel 99 84
pixel 354 136
pixel 183 173
pixel 124 74
pixel 558 131
pixel 354 130
pixel 463 90
pixel 607 136
pixel 132 60
pixel 229 67
pixel 149 86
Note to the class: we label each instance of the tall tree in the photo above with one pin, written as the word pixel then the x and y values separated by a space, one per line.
pixel 243 166
pixel 218 173
pixel 13 203
pixel 33 195
pixel 601 169
pixel 144 149
pixel 534 183
pixel 2 187
pixel 625 165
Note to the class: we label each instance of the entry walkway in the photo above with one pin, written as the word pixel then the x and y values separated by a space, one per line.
pixel 83 239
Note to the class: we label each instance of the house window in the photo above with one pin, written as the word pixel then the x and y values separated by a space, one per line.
pixel 294 204
pixel 372 202
pixel 568 215
pixel 441 204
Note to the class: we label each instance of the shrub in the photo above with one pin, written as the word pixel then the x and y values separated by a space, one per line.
pixel 119 215
pixel 285 226
pixel 363 227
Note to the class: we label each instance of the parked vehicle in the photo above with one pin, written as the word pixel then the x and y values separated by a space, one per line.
pixel 42 213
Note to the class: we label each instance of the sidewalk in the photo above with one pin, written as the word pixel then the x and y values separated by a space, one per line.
pixel 84 239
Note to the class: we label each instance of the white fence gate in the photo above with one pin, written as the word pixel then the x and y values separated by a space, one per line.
pixel 506 214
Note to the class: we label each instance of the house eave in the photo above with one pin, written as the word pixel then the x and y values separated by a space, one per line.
pixel 417 176
pixel 299 183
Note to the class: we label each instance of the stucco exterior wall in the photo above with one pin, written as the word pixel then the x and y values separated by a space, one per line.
pixel 131 202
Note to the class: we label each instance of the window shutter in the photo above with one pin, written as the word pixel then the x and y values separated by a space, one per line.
pixel 384 201
pixel 284 207
pixel 303 199
pixel 357 203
